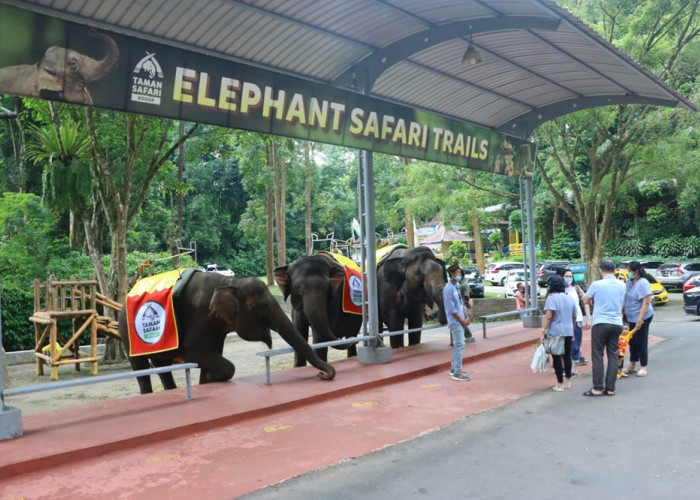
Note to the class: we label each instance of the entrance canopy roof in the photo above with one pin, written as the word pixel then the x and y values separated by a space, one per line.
pixel 538 61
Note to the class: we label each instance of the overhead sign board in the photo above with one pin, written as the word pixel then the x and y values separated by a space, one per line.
pixel 49 58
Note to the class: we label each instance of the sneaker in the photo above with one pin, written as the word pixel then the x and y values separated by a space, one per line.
pixel 558 388
pixel 469 340
pixel 452 372
pixel 460 376
pixel 582 361
pixel 567 384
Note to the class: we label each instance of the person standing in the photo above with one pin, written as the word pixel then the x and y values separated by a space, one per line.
pixel 520 304
pixel 457 320
pixel 638 313
pixel 607 295
pixel 574 291
pixel 465 290
pixel 559 321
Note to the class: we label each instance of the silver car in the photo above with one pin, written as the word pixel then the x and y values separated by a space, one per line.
pixel 674 275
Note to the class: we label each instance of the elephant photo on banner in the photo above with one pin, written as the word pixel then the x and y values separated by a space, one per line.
pixel 319 286
pixel 207 306
pixel 62 74
pixel 408 280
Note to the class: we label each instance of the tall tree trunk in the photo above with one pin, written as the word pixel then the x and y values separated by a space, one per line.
pixel 307 198
pixel 476 229
pixel 278 185
pixel 19 148
pixel 410 235
pixel 72 230
pixel 282 242
pixel 180 179
pixel 270 212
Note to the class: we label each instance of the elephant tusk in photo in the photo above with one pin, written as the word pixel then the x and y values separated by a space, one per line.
pixel 87 92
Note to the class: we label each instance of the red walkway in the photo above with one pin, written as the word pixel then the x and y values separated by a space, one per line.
pixel 236 437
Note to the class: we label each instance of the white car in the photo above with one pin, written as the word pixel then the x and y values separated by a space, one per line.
pixel 213 268
pixel 511 283
pixel 496 273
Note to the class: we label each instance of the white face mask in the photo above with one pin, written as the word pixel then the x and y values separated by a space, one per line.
pixel 568 281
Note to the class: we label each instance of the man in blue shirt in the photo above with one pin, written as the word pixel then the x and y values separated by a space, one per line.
pixel 607 295
pixel 456 320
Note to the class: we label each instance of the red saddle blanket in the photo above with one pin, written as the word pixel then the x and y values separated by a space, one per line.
pixel 352 290
pixel 151 316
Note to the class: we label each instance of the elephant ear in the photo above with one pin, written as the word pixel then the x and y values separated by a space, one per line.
pixel 283 280
pixel 337 277
pixel 444 268
pixel 224 307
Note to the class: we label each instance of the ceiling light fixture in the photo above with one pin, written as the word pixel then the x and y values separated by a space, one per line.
pixel 471 56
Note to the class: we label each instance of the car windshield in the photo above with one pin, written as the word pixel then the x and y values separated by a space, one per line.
pixel 516 277
pixel 471 273
pixel 651 279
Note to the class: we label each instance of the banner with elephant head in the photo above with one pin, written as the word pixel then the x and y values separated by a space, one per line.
pixel 50 58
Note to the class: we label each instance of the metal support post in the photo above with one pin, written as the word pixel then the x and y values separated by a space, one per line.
pixel 10 418
pixel 533 320
pixel 375 352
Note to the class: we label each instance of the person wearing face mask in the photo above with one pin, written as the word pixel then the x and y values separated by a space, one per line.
pixel 457 320
pixel 574 291
pixel 638 313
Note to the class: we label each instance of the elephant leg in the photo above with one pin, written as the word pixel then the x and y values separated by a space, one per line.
pixel 322 353
pixel 213 367
pixel 352 351
pixel 396 324
pixel 141 363
pixel 166 378
pixel 415 320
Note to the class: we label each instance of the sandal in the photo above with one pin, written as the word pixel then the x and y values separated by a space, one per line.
pixel 592 394
pixel 630 371
pixel 608 393
pixel 642 372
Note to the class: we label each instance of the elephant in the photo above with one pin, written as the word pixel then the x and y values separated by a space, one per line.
pixel 62 74
pixel 207 308
pixel 315 284
pixel 408 279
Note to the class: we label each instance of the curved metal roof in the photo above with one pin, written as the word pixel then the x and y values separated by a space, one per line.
pixel 539 61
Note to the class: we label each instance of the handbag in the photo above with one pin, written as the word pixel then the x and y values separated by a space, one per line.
pixel 554 344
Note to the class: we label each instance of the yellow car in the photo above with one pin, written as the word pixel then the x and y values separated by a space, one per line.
pixel 660 293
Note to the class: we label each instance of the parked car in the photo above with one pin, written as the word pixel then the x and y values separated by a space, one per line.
pixel 660 293
pixel 476 282
pixel 511 284
pixel 213 268
pixel 692 282
pixel 496 273
pixel 548 269
pixel 674 275
pixel 691 301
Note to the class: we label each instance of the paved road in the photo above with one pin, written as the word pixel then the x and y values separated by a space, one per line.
pixel 640 443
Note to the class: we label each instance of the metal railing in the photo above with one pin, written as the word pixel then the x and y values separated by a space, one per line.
pixel 352 340
pixel 503 315
pixel 101 379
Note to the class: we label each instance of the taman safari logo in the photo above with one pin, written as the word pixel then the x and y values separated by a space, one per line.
pixel 147 80
pixel 150 322
pixel 356 290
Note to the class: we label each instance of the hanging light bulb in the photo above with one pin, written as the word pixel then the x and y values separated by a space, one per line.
pixel 471 56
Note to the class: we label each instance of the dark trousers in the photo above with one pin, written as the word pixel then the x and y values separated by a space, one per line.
pixel 605 338
pixel 639 344
pixel 563 359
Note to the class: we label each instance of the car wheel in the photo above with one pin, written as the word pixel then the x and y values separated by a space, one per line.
pixel 503 282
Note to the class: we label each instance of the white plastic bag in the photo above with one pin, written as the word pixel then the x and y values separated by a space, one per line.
pixel 539 360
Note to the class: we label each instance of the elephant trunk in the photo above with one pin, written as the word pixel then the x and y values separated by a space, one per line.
pixel 96 70
pixel 284 326
pixel 434 292
pixel 316 311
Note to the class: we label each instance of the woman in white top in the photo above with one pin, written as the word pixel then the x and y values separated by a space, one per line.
pixel 574 291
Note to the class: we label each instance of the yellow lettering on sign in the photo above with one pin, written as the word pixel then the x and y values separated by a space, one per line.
pixel 276 428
